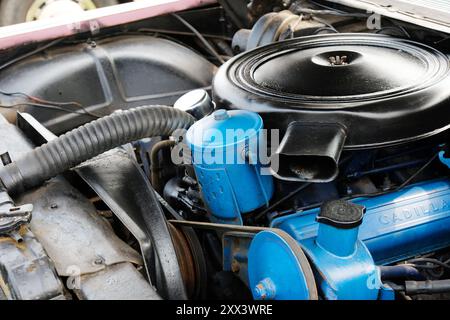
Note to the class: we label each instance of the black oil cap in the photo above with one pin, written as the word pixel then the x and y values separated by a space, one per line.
pixel 341 214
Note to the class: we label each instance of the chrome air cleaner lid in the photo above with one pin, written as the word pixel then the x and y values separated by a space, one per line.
pixel 384 90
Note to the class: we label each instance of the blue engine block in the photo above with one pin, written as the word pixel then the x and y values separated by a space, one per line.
pixel 396 226
pixel 343 266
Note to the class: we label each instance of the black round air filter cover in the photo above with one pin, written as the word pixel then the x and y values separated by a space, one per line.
pixel 383 90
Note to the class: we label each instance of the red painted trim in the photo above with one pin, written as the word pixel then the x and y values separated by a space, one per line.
pixel 16 35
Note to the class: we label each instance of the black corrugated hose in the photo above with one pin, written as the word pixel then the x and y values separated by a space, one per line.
pixel 88 141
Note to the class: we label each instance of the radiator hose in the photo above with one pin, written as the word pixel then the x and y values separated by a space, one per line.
pixel 94 138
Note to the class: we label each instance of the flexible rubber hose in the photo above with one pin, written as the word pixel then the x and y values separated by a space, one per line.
pixel 400 272
pixel 90 140
pixel 154 160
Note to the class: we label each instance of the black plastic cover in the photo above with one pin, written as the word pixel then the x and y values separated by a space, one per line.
pixel 309 152
pixel 384 90
pixel 114 73
pixel 341 214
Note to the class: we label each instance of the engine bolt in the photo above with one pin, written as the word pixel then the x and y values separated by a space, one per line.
pixel 99 260
pixel 264 290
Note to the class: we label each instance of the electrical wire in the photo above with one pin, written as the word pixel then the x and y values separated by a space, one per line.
pixel 285 198
pixel 294 26
pixel 45 106
pixel 291 194
pixel 367 195
pixel 33 98
pixel 325 6
pixel 437 263
pixel 38 102
pixel 329 25
pixel 332 12
pixel 413 176
pixel 183 33
pixel 379 193
pixel 200 37
pixel 42 102
pixel 30 53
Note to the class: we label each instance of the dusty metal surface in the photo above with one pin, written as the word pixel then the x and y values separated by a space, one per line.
pixel 65 222
pixel 26 272
pixel 118 282
pixel 235 251
pixel 72 232
pixel 121 184
pixel 83 245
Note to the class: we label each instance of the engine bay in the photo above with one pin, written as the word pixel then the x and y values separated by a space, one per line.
pixel 262 150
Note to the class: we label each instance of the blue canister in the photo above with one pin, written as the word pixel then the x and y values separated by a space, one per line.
pixel 226 158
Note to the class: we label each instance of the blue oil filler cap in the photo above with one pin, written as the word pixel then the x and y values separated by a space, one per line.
pixel 225 155
pixel 345 268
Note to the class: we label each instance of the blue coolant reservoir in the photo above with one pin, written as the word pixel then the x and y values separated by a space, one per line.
pixel 396 226
pixel 225 150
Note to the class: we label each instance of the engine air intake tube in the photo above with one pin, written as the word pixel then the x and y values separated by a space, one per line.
pixel 90 140
pixel 309 152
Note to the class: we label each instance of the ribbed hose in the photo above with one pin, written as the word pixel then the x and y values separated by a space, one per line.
pixel 90 140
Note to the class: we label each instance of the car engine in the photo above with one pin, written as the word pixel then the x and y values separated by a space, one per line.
pixel 270 150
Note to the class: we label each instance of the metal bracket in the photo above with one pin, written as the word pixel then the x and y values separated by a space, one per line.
pixel 11 219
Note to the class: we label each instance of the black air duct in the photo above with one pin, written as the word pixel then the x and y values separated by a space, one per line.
pixel 309 152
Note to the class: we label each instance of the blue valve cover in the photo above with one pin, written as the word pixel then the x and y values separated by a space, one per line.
pixel 396 226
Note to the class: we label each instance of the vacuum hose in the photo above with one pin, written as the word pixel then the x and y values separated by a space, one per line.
pixel 88 141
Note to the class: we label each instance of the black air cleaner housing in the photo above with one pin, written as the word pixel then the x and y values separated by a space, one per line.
pixel 381 90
